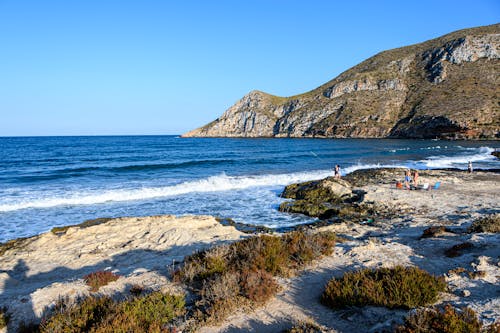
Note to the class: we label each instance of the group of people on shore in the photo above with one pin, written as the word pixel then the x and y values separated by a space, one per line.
pixel 411 179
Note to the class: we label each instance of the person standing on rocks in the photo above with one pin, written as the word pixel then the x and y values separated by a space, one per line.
pixel 337 172
pixel 469 167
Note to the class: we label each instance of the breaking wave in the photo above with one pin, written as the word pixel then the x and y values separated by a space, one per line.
pixel 481 154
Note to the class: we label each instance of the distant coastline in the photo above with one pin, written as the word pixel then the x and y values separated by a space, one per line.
pixel 422 91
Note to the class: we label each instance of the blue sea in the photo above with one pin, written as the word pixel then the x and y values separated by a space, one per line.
pixel 55 181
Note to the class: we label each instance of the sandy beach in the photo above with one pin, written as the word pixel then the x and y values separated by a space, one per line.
pixel 37 271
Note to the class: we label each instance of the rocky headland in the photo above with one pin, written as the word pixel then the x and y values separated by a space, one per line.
pixel 452 232
pixel 442 88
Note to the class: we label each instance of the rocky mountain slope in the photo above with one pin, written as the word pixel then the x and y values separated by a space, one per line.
pixel 446 87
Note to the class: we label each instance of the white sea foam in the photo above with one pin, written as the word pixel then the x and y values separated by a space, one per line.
pixel 460 161
pixel 217 183
pixel 433 147
pixel 224 182
pixel 398 149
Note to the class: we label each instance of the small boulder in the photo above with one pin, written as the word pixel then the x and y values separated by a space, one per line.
pixel 337 187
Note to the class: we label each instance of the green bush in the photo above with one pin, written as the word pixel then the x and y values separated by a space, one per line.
pixel 150 313
pixel 145 314
pixel 81 317
pixel 445 320
pixel 398 287
pixel 100 278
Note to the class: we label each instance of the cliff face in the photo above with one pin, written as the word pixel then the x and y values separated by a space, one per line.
pixel 446 87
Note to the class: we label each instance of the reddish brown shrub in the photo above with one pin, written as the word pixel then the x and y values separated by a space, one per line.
pixel 100 278
pixel 258 285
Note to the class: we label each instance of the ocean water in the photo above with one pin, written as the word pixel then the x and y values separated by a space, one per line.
pixel 55 181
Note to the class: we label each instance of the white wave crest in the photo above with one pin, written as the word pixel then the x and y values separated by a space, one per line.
pixel 398 149
pixel 211 184
pixel 223 182
pixel 460 161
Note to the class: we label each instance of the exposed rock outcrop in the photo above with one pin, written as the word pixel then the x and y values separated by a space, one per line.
pixel 327 199
pixel 446 87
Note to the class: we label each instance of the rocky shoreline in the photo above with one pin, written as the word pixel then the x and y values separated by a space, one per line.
pixel 380 225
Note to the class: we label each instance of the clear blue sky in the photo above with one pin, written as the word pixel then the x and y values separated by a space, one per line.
pixel 93 67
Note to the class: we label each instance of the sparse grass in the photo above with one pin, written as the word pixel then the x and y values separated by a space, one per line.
pixel 242 273
pixel 398 287
pixel 98 279
pixel 444 320
pixel 150 313
pixel 457 250
pixel 489 223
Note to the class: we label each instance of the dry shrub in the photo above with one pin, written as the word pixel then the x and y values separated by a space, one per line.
pixel 222 287
pixel 276 255
pixel 136 289
pixel 220 309
pixel 243 272
pixel 100 278
pixel 224 277
pixel 443 320
pixel 457 250
pixel 457 270
pixel 203 264
pixel 264 252
pixel 477 274
pixel 151 313
pixel 398 287
pixel 258 285
pixel 433 231
pixel 305 327
pixel 490 223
